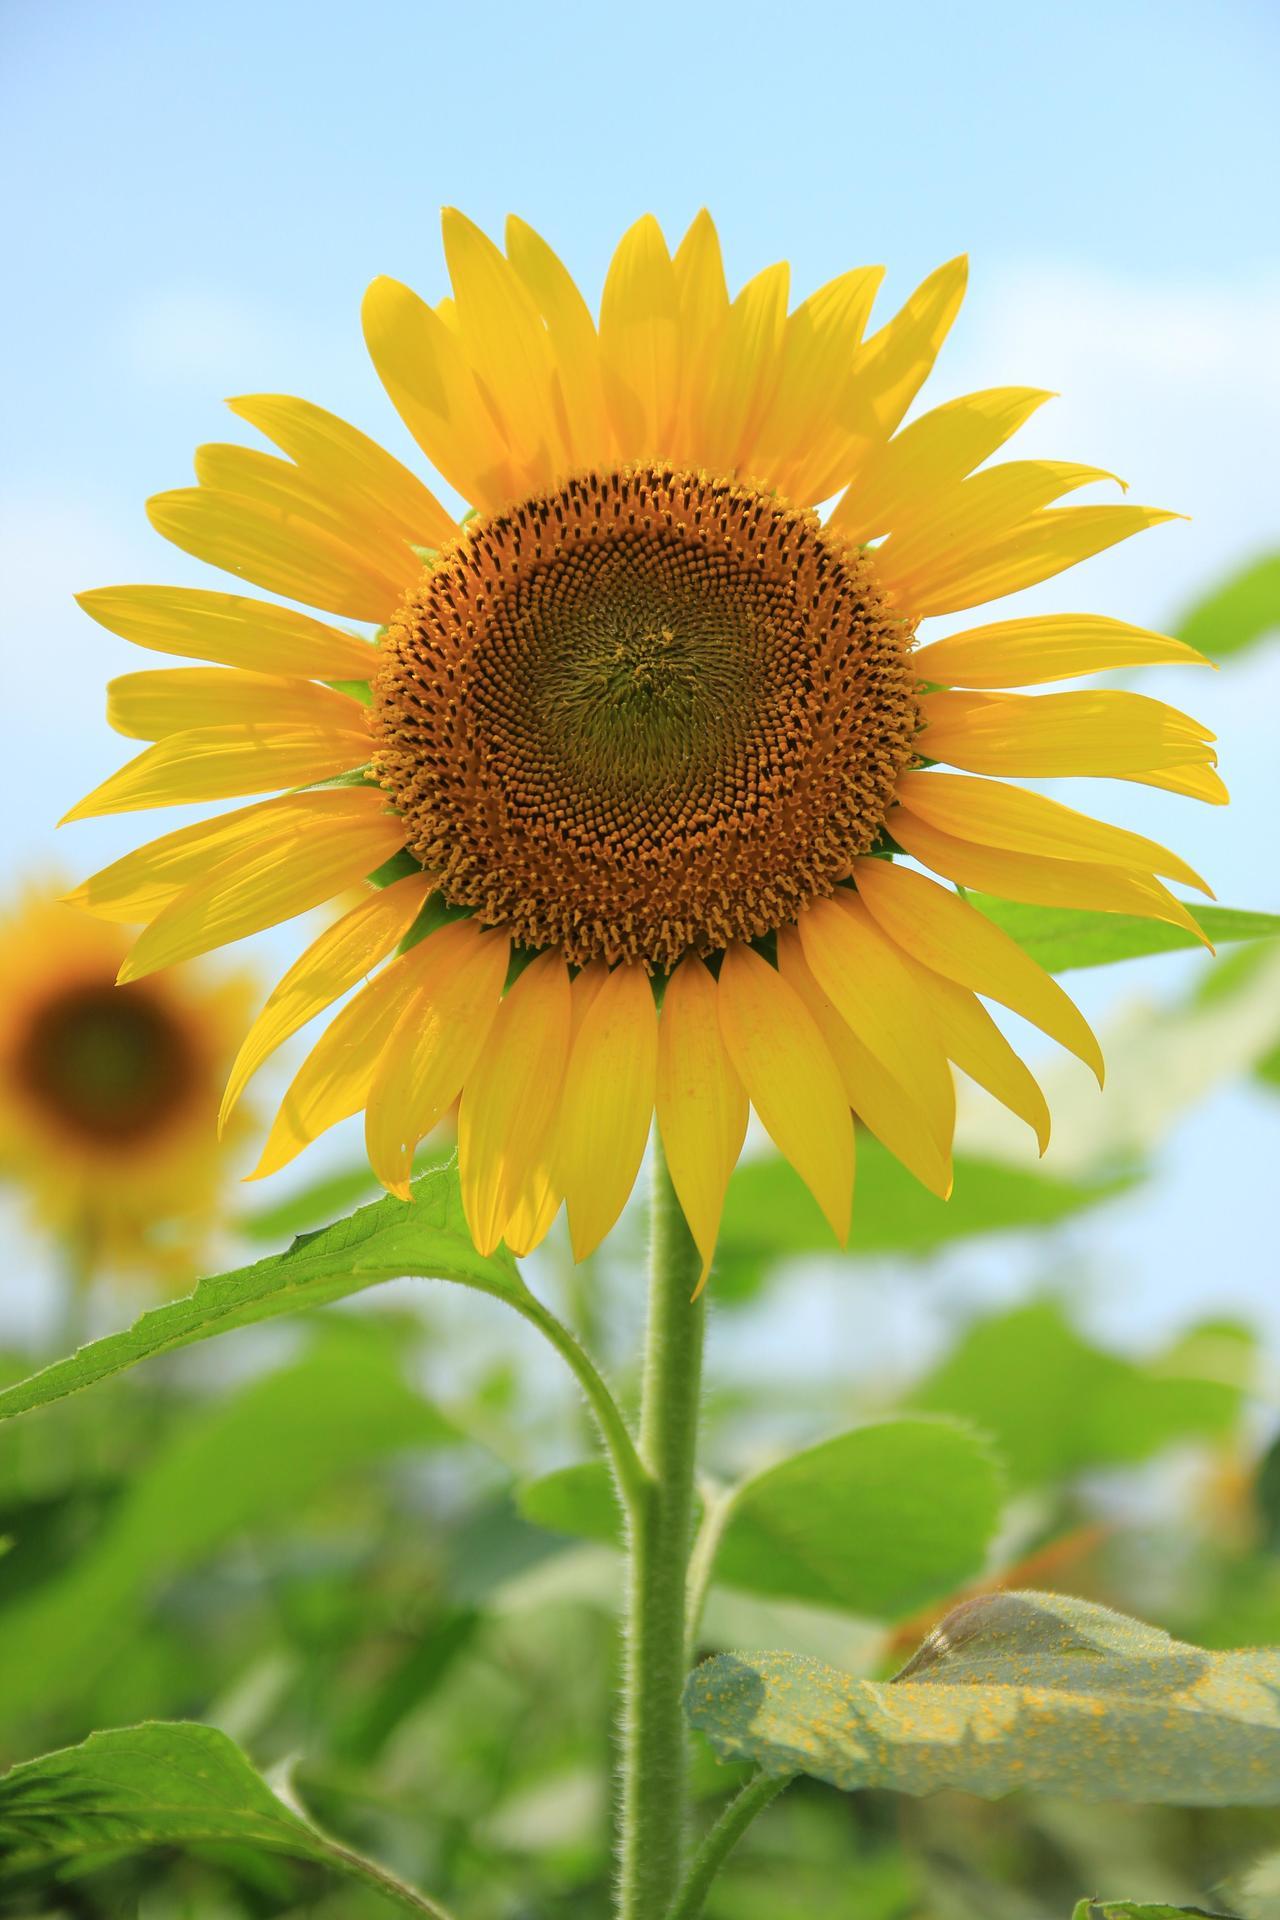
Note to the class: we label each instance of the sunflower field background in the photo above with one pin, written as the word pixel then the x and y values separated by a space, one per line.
pixel 348 1576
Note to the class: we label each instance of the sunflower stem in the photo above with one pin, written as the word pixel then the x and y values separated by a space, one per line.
pixel 722 1839
pixel 660 1539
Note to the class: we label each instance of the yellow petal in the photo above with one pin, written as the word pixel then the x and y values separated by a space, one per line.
pixel 574 344
pixel 968 520
pixel 1049 646
pixel 997 815
pixel 743 374
pixel 640 341
pixel 348 462
pixel 974 1041
pixel 137 886
pixel 219 763
pixel 428 378
pixel 793 442
pixel 538 1198
pixel 889 370
pixel 1099 733
pixel 1044 544
pixel 333 1081
pixel 861 974
pixel 345 952
pixel 281 491
pixel 230 628
pixel 149 706
pixel 702 1109
pixel 790 1079
pixel 704 310
pixel 1032 877
pixel 285 551
pixel 1197 782
pixel 900 478
pixel 512 1095
pixel 454 981
pixel 944 932
pixel 506 344
pixel 607 1105
pixel 880 1101
pixel 265 882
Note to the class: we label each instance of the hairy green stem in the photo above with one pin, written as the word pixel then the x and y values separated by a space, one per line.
pixel 660 1536
pixel 722 1839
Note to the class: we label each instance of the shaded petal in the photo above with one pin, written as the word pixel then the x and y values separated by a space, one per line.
pixel 790 1079
pixel 136 887
pixel 506 343
pixel 880 1101
pixel 861 974
pixel 278 487
pixel 421 363
pixel 219 763
pixel 947 934
pixel 607 1105
pixel 1042 545
pixel 1049 646
pixel 454 983
pixel 902 477
pixel 702 1108
pixel 230 628
pixel 574 343
pixel 974 1041
pixel 333 1081
pixel 640 341
pixel 793 444
pixel 744 373
pixel 1045 882
pixel 149 706
pixel 1098 733
pixel 268 881
pixel 512 1096
pixel 997 815
pixel 330 967
pixel 349 463
pixel 279 548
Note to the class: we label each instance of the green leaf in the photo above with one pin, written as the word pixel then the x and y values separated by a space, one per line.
pixel 1014 1690
pixel 248 1461
pixel 769 1213
pixel 579 1501
pixel 159 1785
pixel 1244 610
pixel 1054 1404
pixel 426 1237
pixel 874 1522
pixel 1061 938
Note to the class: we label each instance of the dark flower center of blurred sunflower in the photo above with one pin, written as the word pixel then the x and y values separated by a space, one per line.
pixel 647 714
pixel 109 1063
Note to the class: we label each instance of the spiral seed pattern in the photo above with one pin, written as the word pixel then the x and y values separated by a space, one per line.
pixel 647 714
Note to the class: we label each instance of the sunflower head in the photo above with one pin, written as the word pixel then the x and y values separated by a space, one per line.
pixel 655 723
pixel 108 1094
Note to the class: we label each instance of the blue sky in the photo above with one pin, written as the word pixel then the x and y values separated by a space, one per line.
pixel 202 195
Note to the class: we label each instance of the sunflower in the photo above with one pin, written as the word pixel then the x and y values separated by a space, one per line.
pixel 638 749
pixel 109 1096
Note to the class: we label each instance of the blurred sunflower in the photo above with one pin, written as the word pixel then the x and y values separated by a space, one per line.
pixel 629 754
pixel 109 1095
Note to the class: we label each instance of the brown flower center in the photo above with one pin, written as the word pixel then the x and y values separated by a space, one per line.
pixel 646 714
pixel 109 1063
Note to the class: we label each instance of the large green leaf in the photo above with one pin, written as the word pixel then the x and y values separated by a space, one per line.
pixel 770 1214
pixel 1015 1690
pixel 1244 610
pixel 1061 938
pixel 1138 1910
pixel 245 1462
pixel 426 1237
pixel 874 1522
pixel 158 1785
pixel 1054 1404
